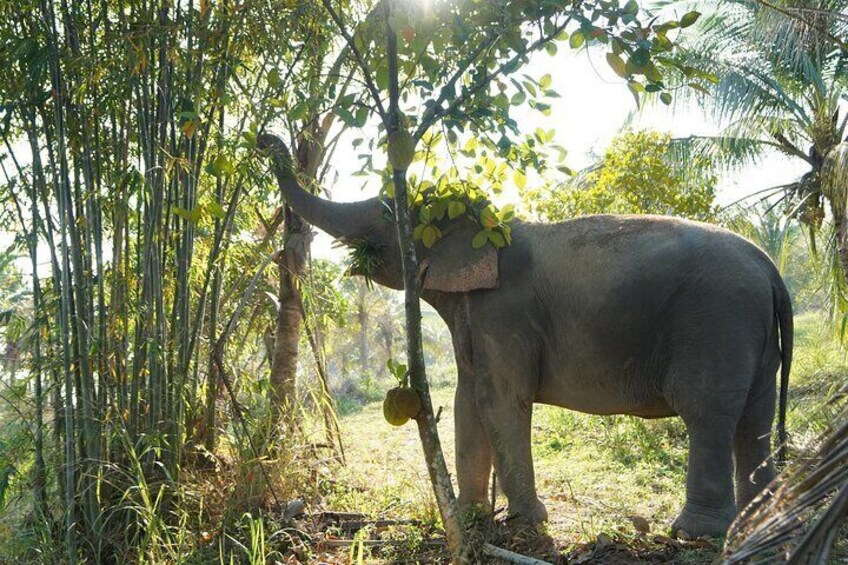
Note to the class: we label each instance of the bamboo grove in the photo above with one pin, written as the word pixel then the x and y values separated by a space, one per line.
pixel 128 128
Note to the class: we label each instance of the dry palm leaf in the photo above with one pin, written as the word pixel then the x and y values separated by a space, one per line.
pixel 797 518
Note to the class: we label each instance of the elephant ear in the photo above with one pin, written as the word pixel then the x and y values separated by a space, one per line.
pixel 453 265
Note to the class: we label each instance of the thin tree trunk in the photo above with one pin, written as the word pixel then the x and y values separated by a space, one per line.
pixel 297 236
pixel 290 265
pixel 363 328
pixel 842 243
pixel 426 420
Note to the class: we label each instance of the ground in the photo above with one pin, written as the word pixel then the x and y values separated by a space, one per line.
pixel 612 485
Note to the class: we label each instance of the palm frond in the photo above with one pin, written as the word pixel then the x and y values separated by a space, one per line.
pixel 797 517
pixel 723 152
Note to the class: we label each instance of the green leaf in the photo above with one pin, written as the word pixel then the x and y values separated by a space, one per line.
pixel 382 77
pixel 546 81
pixel 518 98
pixel 617 64
pixel 429 236
pixel 274 78
pixel 689 19
pixel 361 116
pixel 299 111
pixel 222 166
pixel 520 179
pixel 188 215
pixel 496 238
pixel 640 57
pixel 666 98
pixel 249 138
pixel 576 40
pixel 455 209
pixel 698 87
pixel 480 239
pixel 216 210
pixel 346 116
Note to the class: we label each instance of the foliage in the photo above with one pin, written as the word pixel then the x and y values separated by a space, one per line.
pixel 433 202
pixel 128 171
pixel 458 65
pixel 635 176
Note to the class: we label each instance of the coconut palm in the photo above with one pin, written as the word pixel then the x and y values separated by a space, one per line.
pixel 780 84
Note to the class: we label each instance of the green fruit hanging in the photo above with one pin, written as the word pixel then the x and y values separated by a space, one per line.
pixel 401 404
pixel 401 149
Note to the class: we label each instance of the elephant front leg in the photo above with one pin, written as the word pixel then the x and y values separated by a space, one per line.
pixel 473 450
pixel 507 420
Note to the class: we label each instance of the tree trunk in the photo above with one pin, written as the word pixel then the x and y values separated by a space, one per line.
pixel 842 243
pixel 290 264
pixel 297 237
pixel 363 328
pixel 426 420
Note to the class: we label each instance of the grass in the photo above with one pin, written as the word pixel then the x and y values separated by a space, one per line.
pixel 594 473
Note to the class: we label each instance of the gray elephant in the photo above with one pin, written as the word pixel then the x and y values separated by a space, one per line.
pixel 643 315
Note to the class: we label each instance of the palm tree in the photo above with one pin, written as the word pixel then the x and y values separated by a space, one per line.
pixel 780 84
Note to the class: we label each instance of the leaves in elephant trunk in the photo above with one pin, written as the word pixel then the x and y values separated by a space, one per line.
pixel 365 257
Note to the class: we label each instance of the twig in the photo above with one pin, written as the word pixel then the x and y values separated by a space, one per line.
pixel 511 556
pixel 354 525
pixel 366 71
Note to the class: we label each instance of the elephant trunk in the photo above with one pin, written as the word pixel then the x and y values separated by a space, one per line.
pixel 341 220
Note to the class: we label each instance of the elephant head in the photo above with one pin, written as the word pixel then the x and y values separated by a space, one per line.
pixel 451 265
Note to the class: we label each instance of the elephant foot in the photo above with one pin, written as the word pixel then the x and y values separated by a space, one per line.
pixel 694 522
pixel 534 511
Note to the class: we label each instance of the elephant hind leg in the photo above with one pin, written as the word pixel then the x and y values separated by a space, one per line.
pixel 710 505
pixel 711 413
pixel 752 443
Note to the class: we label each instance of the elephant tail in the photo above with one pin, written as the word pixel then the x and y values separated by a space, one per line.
pixel 783 313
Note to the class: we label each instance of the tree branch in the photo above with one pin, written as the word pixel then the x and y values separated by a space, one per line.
pixel 366 71
pixel 437 112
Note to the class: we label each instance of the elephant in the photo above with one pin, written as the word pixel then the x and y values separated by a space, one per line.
pixel 650 316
